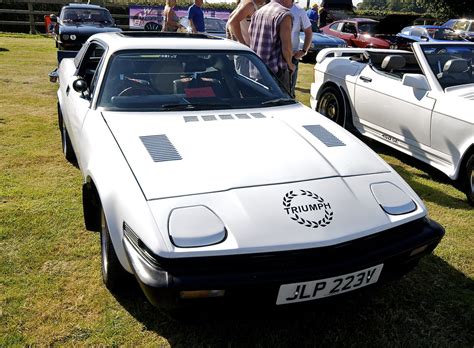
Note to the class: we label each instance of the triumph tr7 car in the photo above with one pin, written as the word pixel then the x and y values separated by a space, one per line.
pixel 205 179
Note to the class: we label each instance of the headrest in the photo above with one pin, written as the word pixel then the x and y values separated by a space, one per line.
pixel 393 62
pixel 455 66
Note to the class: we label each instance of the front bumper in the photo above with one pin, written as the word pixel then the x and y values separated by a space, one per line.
pixel 393 248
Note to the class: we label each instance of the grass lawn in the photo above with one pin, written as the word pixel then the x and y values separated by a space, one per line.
pixel 50 286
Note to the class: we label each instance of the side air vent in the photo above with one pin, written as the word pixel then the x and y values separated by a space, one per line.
pixel 160 148
pixel 190 118
pixel 324 135
pixel 209 118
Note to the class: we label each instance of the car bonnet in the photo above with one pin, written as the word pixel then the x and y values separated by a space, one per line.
pixel 182 153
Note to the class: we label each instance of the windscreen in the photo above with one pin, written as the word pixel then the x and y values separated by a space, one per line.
pixel 86 15
pixel 444 34
pixel 368 28
pixel 194 80
pixel 451 64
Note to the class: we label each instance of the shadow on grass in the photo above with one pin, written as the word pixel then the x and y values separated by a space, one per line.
pixel 433 305
pixel 2 49
pixel 427 193
pixel 303 90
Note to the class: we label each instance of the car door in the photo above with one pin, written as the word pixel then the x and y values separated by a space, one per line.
pixel 391 111
pixel 79 103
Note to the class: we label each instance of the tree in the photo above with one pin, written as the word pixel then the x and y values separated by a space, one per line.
pixel 448 8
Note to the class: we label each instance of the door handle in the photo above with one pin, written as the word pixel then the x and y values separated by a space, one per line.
pixel 366 79
pixel 68 89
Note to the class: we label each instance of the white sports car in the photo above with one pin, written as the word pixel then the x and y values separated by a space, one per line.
pixel 420 102
pixel 206 179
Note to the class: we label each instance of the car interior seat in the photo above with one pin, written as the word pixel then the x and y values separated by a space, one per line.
pixel 164 73
pixel 456 71
pixel 195 84
pixel 392 63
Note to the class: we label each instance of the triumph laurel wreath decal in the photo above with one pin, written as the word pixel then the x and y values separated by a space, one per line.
pixel 295 211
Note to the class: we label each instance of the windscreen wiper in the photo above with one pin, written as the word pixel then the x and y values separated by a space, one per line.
pixel 196 106
pixel 279 101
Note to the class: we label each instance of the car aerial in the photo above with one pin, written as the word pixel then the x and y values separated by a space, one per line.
pixel 77 22
pixel 369 33
pixel 319 41
pixel 417 102
pixel 205 179
pixel 464 27
pixel 431 33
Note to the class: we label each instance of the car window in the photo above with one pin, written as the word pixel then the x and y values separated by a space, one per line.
pixel 368 28
pixel 214 25
pixel 349 27
pixel 335 26
pixel 453 65
pixel 405 31
pixel 461 25
pixel 154 80
pixel 418 32
pixel 86 15
pixel 471 27
pixel 89 66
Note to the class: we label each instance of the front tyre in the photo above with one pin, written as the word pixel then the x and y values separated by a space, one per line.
pixel 66 142
pixel 331 104
pixel 114 275
pixel 467 180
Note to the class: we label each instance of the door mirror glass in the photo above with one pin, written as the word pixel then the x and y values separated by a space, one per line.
pixel 416 81
pixel 80 86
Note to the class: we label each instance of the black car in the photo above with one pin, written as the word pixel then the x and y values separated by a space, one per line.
pixel 77 22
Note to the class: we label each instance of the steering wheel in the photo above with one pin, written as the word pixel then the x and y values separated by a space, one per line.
pixel 137 90
pixel 441 50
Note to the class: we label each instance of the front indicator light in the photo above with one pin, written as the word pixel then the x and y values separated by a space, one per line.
pixel 201 293
pixel 65 37
pixel 418 250
pixel 392 199
pixel 72 37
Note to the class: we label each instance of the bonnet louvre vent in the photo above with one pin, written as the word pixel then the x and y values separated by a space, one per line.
pixel 160 148
pixel 324 135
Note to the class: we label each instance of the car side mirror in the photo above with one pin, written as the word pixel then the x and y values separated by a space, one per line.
pixel 53 18
pixel 416 81
pixel 424 38
pixel 80 86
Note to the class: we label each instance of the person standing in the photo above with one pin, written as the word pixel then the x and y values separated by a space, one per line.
pixel 300 23
pixel 239 20
pixel 170 19
pixel 196 17
pixel 270 38
pixel 323 17
pixel 313 16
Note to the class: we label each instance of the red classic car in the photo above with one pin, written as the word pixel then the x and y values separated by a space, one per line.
pixel 364 32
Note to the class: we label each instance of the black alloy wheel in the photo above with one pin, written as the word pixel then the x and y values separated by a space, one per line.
pixel 331 104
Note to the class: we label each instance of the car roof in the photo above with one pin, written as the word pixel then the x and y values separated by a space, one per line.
pixel 84 6
pixel 117 41
pixel 358 20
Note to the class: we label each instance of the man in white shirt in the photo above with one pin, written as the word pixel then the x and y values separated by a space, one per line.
pixel 300 23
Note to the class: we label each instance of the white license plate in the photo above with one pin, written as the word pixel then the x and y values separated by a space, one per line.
pixel 307 291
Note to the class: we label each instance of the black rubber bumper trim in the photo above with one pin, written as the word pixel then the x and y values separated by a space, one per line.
pixel 224 272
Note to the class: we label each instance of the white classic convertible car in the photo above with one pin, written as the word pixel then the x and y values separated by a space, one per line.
pixel 205 179
pixel 420 102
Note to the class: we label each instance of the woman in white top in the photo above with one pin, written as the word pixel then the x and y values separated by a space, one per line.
pixel 239 20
